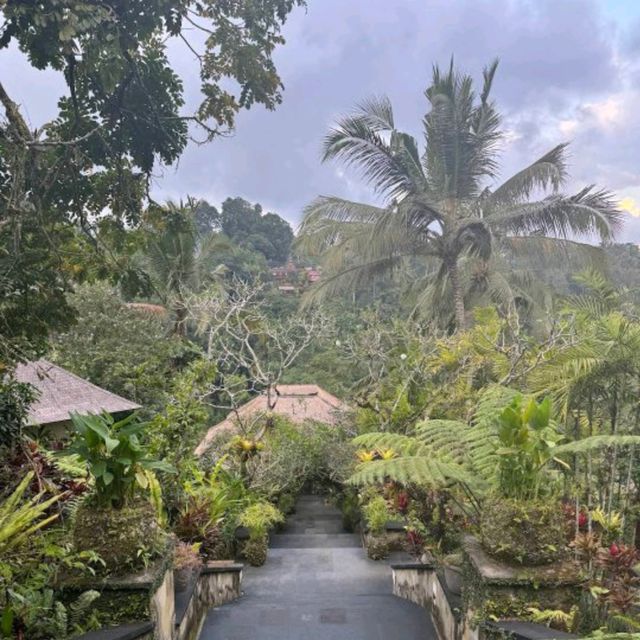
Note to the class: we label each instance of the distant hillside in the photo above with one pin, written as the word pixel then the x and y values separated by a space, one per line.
pixel 623 261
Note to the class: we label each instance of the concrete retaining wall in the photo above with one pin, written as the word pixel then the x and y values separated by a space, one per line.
pixel 217 584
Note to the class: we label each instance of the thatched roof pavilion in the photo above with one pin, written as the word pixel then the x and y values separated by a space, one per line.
pixel 61 393
pixel 297 402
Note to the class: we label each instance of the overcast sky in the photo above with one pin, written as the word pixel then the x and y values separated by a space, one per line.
pixel 570 70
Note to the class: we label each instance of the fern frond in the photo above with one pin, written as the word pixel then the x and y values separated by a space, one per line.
pixel 401 444
pixel 446 437
pixel 78 609
pixel 594 443
pixel 419 469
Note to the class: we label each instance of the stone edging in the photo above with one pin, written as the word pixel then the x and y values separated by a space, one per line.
pixel 131 631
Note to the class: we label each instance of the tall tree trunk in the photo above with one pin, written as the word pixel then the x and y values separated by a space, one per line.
pixel 180 319
pixel 458 296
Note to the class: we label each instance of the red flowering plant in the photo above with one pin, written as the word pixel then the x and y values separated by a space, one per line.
pixel 612 568
pixel 574 524
pixel 417 534
pixel 620 580
pixel 402 502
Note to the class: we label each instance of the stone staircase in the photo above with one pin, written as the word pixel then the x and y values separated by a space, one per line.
pixel 317 584
pixel 314 525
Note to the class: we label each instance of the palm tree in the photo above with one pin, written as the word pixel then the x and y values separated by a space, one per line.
pixel 180 259
pixel 438 208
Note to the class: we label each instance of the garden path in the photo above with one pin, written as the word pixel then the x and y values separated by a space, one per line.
pixel 317 584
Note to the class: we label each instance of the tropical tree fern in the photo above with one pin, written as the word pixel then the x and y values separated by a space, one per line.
pixel 439 215
pixel 504 448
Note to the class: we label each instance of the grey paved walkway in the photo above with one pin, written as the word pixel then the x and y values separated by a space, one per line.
pixel 317 584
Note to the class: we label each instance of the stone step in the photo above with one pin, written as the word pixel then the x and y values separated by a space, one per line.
pixel 329 526
pixel 319 618
pixel 314 540
pixel 326 517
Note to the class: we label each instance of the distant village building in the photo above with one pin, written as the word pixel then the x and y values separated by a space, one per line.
pixel 297 402
pixel 291 278
pixel 61 393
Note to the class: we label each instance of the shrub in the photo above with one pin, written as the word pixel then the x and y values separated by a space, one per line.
pixel 526 532
pixel 259 518
pixel 378 546
pixel 255 551
pixel 212 501
pixel 376 515
pixel 186 556
pixel 295 455
pixel 287 503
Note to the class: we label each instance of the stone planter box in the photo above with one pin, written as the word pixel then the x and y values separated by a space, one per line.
pixel 217 584
pixel 174 616
pixel 495 588
pixel 147 595
pixel 456 618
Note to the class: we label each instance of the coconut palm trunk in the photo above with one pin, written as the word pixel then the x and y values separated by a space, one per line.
pixel 458 295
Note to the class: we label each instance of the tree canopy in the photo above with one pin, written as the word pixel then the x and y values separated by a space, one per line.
pixel 442 219
pixel 123 114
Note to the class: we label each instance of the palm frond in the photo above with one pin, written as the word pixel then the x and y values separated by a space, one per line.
pixel 461 137
pixel 595 443
pixel 549 171
pixel 360 140
pixel 541 252
pixel 588 214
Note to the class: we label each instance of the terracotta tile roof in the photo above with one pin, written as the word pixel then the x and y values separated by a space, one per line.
pixel 156 309
pixel 62 392
pixel 298 402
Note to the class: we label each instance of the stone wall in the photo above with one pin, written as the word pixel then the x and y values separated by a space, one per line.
pixel 455 619
pixel 217 584
pixel 163 612
pixel 420 583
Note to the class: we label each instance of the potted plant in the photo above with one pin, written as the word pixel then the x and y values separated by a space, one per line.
pixel 376 515
pixel 258 518
pixel 186 564
pixel 523 521
pixel 452 565
pixel 115 520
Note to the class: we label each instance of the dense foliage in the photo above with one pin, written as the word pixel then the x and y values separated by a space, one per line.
pixel 486 401
pixel 79 179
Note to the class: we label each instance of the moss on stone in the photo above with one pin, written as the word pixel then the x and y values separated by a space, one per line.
pixel 255 551
pixel 125 539
pixel 511 593
pixel 528 533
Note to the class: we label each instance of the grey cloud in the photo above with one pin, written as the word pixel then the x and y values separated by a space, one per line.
pixel 555 57
pixel 340 52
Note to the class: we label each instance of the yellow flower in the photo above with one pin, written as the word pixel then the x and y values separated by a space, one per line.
pixel 366 456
